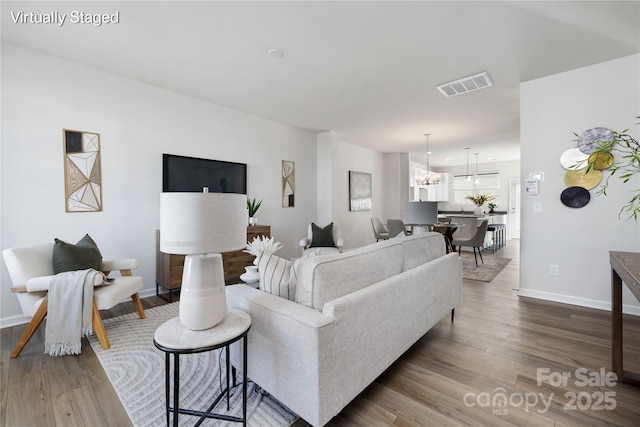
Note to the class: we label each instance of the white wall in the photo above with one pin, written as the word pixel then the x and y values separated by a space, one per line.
pixel 396 184
pixel 43 94
pixel 577 240
pixel 339 157
pixel 357 230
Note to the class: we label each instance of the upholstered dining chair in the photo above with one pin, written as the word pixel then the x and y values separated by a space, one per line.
pixel 322 240
pixel 31 270
pixel 379 231
pixel 476 242
pixel 397 227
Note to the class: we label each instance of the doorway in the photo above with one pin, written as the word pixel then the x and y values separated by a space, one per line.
pixel 513 226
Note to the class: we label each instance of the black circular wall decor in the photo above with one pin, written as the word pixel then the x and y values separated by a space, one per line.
pixel 575 197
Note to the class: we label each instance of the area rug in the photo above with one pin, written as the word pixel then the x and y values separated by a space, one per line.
pixel 486 272
pixel 136 370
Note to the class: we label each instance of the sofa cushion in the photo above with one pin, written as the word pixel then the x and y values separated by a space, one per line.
pixel 326 277
pixel 275 276
pixel 81 256
pixel 421 248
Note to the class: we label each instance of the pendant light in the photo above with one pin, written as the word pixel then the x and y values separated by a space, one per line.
pixel 477 180
pixel 468 176
pixel 428 179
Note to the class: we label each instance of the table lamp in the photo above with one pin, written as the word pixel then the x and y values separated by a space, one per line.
pixel 200 226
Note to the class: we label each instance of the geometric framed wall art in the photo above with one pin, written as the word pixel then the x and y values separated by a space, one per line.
pixel 82 171
pixel 288 184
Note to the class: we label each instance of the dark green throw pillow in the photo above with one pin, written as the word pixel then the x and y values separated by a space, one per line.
pixel 81 256
pixel 322 237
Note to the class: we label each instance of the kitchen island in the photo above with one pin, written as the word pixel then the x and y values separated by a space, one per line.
pixel 468 224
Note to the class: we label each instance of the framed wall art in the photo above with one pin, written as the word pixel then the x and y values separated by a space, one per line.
pixel 82 171
pixel 359 191
pixel 288 184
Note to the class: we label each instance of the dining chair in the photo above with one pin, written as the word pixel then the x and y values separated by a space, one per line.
pixel 379 231
pixel 476 242
pixel 397 227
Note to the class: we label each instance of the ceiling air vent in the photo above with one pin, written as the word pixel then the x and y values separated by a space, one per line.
pixel 466 84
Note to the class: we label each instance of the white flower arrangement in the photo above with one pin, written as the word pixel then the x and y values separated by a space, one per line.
pixel 261 245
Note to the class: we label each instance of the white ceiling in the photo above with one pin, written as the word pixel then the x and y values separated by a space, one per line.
pixel 367 70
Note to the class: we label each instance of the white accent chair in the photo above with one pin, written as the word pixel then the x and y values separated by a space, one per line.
pixel 305 244
pixel 31 270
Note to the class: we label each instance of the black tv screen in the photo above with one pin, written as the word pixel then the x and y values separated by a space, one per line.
pixel 191 174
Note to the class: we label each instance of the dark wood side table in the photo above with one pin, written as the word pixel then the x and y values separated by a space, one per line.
pixel 625 267
pixel 173 337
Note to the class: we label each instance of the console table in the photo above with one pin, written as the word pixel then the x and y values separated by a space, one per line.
pixel 169 266
pixel 625 268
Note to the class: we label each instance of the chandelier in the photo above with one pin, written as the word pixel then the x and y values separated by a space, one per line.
pixel 427 179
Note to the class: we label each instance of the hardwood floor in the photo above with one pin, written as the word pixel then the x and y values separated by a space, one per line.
pixel 454 375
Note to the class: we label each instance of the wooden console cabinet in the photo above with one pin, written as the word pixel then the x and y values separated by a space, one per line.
pixel 169 266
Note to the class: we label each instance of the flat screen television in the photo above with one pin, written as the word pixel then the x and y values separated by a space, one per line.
pixel 191 174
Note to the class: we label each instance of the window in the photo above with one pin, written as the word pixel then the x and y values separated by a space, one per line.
pixel 488 183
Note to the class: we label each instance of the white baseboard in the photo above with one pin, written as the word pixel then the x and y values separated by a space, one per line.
pixel 582 302
pixel 6 322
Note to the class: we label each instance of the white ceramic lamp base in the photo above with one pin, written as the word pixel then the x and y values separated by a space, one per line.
pixel 203 300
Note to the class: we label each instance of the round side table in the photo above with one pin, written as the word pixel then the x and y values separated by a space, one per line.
pixel 174 338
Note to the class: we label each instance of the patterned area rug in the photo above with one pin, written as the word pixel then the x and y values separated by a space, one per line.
pixel 135 368
pixel 486 272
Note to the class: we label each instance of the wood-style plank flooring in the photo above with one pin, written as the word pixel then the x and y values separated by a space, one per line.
pixel 455 375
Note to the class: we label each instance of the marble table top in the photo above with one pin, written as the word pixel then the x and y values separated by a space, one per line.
pixel 173 335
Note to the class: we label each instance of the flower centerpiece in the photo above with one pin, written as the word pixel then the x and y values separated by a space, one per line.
pixel 259 246
pixel 480 200
pixel 262 245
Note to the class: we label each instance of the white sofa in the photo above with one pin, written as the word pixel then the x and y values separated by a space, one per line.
pixel 355 314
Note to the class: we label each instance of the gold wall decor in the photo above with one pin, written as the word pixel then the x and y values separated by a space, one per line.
pixel 288 183
pixel 82 171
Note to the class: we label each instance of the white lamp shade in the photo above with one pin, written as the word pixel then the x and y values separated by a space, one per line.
pixel 196 223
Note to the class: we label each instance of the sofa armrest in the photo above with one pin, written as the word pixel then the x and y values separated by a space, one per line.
pixel 248 299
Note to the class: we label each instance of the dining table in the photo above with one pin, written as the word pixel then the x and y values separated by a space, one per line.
pixel 447 229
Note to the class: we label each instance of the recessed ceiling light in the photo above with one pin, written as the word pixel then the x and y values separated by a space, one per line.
pixel 275 53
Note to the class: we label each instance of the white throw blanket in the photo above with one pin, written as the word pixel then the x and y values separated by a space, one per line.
pixel 69 311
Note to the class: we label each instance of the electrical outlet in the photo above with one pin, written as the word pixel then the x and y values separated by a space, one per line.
pixel 554 270
pixel 537 207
